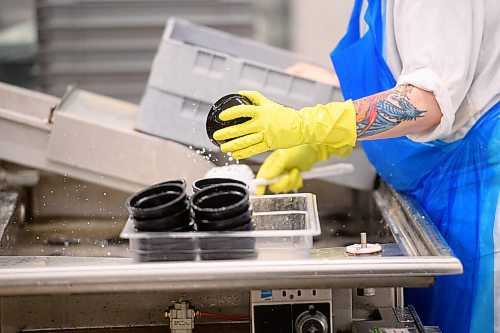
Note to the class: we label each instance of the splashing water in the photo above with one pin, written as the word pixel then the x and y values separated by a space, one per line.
pixel 210 156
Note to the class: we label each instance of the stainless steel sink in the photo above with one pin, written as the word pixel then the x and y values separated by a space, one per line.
pixel 85 254
pixel 73 237
pixel 98 236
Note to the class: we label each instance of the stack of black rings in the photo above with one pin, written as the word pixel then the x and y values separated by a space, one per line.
pixel 218 204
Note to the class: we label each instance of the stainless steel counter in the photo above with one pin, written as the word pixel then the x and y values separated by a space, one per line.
pixel 417 256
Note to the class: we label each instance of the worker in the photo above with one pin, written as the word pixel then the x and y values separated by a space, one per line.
pixel 422 87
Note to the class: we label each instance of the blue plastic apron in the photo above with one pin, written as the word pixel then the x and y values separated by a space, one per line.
pixel 457 183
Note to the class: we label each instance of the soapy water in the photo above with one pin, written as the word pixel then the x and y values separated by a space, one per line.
pixel 210 156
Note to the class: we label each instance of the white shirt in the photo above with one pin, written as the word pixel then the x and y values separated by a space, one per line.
pixel 449 47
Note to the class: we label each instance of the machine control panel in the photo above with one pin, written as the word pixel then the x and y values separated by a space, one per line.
pixel 292 311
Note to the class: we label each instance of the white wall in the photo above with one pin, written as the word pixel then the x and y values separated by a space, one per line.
pixel 316 26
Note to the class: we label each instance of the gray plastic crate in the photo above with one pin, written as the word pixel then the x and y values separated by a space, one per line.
pixel 204 63
pixel 199 65
pixel 174 117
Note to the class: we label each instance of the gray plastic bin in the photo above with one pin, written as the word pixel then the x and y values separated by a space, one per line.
pixel 200 65
pixel 174 117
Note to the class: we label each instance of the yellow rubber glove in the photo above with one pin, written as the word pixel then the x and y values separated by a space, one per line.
pixel 291 162
pixel 274 126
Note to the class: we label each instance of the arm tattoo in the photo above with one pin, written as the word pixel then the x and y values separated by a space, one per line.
pixel 381 112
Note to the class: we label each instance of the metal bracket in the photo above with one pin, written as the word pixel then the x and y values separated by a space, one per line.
pixel 403 315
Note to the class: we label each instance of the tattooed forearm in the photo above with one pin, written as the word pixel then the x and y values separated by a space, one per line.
pixel 381 112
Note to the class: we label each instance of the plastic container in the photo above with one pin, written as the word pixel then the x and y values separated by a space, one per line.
pixel 223 248
pixel 204 64
pixel 220 202
pixel 174 249
pixel 232 223
pixel 163 206
pixel 214 123
pixel 202 183
pixel 208 63
pixel 224 207
pixel 174 117
pixel 284 226
pixel 164 255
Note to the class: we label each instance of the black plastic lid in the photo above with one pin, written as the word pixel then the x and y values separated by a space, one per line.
pixel 218 202
pixel 205 182
pixel 176 222
pixel 157 201
pixel 226 224
pixel 214 123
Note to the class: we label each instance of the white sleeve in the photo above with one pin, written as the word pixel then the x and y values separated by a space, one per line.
pixel 434 41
